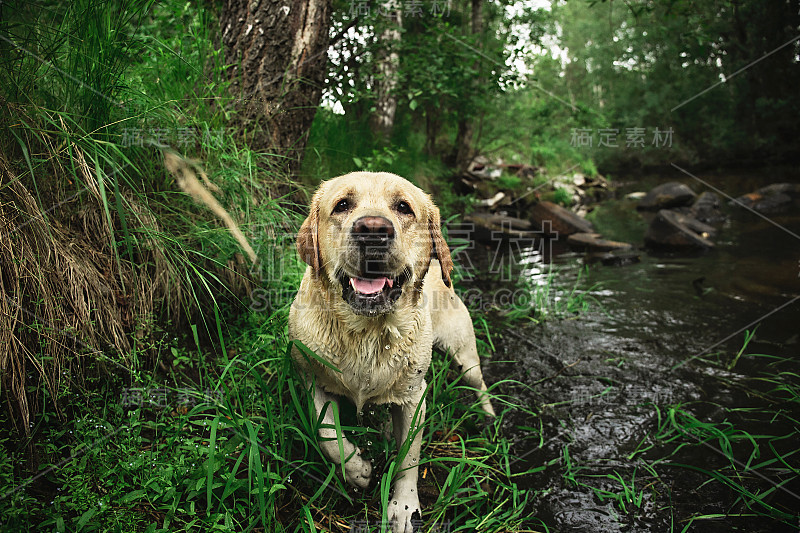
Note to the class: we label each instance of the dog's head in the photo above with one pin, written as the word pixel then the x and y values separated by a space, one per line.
pixel 373 235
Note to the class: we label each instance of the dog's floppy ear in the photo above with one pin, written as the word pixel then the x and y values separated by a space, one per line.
pixel 439 248
pixel 308 239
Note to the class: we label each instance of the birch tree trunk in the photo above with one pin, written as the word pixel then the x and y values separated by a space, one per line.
pixel 276 52
pixel 388 62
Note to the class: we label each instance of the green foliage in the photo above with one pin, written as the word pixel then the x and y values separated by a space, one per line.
pixel 71 57
pixel 509 181
pixel 648 66
pixel 337 146
pixel 627 497
pixel 562 196
pixel 446 73
pixel 127 250
pixel 379 160
pixel 530 127
pixel 588 167
pixel 619 68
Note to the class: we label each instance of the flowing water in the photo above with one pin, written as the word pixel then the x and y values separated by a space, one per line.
pixel 659 334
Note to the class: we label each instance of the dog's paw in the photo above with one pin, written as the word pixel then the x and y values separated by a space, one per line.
pixel 404 513
pixel 358 471
pixel 486 405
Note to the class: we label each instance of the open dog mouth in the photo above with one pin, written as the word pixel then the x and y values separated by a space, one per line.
pixel 372 294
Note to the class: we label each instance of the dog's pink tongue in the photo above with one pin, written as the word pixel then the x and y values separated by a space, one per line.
pixel 369 286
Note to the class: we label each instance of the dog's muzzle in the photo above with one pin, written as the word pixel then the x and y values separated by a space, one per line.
pixel 377 286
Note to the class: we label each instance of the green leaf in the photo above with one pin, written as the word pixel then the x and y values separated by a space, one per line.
pixel 276 487
pixel 85 517
pixel 306 351
pixel 133 495
pixel 212 446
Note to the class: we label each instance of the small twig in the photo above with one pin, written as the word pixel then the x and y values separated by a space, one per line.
pixel 559 372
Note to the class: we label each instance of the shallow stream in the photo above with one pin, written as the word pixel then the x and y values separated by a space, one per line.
pixel 658 341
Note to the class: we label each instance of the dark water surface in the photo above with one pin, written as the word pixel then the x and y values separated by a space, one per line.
pixel 660 334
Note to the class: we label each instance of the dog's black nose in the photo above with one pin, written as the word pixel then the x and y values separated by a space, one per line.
pixel 373 231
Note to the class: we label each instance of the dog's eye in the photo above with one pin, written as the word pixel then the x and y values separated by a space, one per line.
pixel 342 206
pixel 403 208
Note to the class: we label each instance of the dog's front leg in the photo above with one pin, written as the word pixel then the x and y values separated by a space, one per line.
pixel 357 470
pixel 404 509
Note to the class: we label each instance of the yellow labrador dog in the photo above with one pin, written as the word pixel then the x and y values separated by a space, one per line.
pixel 375 298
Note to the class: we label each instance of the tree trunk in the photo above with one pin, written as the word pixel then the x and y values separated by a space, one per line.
pixel 388 61
pixel 432 127
pixel 277 52
pixel 462 149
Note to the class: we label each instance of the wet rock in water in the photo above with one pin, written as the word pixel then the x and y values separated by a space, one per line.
pixel 675 230
pixel 773 198
pixel 495 219
pixel 706 208
pixel 774 203
pixel 613 258
pixel 490 226
pixel 702 229
pixel 620 258
pixel 791 189
pixel 594 241
pixel 555 220
pixel 666 195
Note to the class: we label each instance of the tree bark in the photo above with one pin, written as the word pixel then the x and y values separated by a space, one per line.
pixel 388 62
pixel 432 127
pixel 277 57
pixel 462 149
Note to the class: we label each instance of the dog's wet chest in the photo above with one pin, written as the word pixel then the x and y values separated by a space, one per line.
pixel 379 370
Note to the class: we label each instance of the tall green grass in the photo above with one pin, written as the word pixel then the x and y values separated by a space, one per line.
pixel 247 456
pixel 196 421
